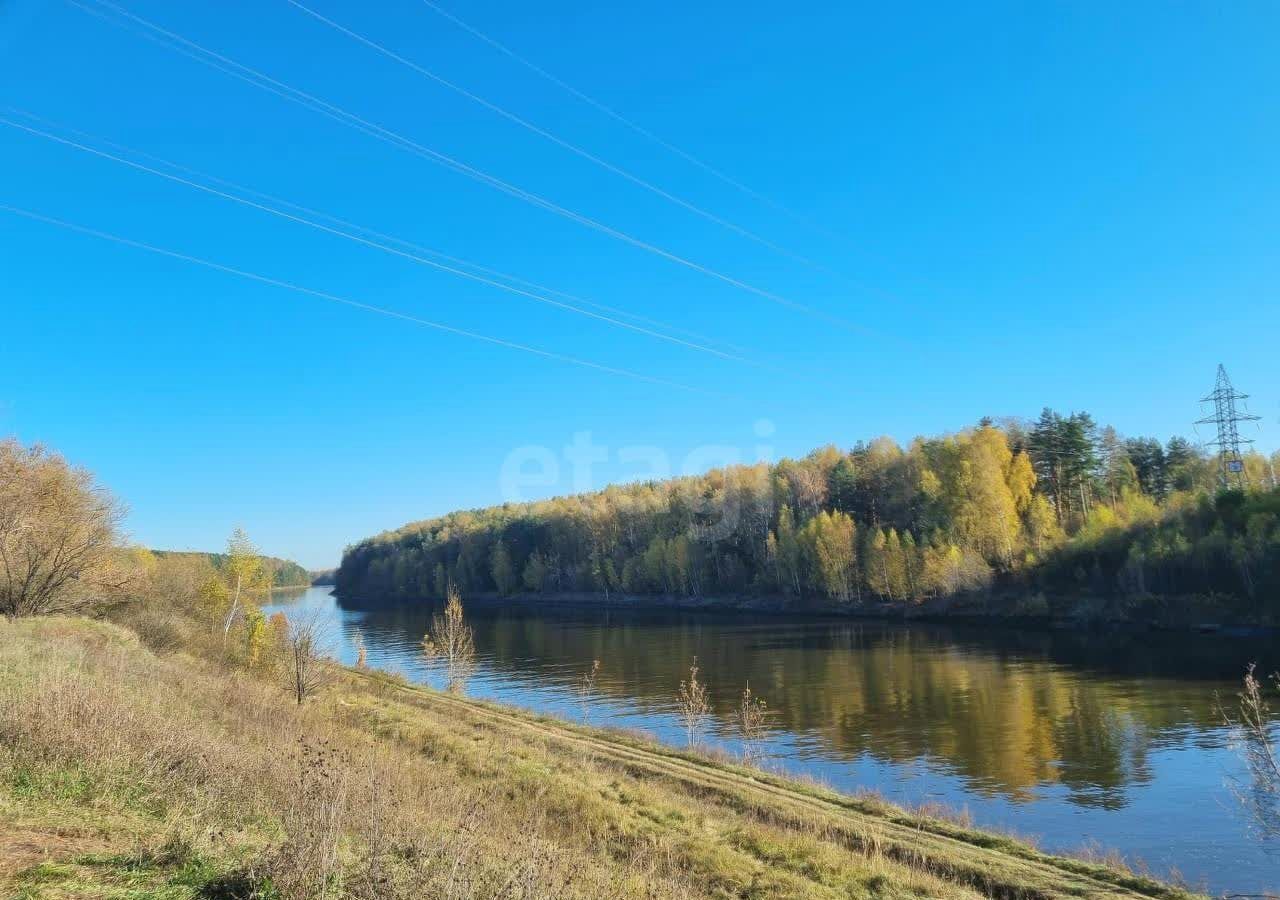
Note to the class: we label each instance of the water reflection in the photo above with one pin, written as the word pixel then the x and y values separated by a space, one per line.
pixel 1007 711
pixel 1082 736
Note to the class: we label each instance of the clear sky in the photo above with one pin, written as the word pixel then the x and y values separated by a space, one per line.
pixel 973 209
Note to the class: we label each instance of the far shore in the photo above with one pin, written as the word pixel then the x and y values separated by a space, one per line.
pixel 1006 610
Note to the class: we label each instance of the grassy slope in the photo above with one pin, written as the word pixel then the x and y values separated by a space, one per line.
pixel 131 775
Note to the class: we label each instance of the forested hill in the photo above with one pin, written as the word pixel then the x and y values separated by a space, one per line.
pixel 1059 505
pixel 284 572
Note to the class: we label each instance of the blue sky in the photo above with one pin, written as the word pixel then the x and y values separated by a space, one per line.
pixel 1003 205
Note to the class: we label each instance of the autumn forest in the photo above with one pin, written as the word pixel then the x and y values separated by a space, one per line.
pixel 1029 510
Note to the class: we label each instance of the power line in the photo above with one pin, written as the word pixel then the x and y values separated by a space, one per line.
pixel 677 151
pixel 629 123
pixel 374 233
pixel 1226 419
pixel 369 243
pixel 309 101
pixel 345 301
pixel 554 138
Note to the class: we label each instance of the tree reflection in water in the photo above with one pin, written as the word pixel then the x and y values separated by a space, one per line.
pixel 1007 711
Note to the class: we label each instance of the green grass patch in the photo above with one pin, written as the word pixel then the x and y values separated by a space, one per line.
pixel 67 785
pixel 172 872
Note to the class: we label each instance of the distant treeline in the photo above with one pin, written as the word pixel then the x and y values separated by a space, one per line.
pixel 1058 505
pixel 322 577
pixel 284 572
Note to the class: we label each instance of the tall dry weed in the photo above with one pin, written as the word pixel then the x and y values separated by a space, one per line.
pixel 314 816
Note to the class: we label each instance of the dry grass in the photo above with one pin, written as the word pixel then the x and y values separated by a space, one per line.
pixel 172 776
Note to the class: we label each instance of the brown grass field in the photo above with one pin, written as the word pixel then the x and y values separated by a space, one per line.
pixel 127 774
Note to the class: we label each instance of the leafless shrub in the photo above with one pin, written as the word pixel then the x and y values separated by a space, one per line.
pixel 693 705
pixel 362 657
pixel 451 639
pixel 753 713
pixel 1252 734
pixel 58 534
pixel 586 689
pixel 162 630
pixel 308 668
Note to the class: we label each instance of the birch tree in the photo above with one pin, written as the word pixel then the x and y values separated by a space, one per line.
pixel 451 639
pixel 246 576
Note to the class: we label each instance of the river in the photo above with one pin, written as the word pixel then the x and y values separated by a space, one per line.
pixel 1072 740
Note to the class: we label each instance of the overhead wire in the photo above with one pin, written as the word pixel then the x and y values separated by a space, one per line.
pixel 342 223
pixel 629 123
pixel 261 80
pixel 338 232
pixel 346 301
pixel 691 158
pixel 554 138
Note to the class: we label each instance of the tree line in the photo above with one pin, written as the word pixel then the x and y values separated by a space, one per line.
pixel 1057 503
pixel 281 572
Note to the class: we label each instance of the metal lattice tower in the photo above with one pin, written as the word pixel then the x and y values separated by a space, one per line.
pixel 1227 419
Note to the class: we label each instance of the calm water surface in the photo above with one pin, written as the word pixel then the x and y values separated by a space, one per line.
pixel 1074 740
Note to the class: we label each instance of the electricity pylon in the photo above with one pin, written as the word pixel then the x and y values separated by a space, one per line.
pixel 1227 418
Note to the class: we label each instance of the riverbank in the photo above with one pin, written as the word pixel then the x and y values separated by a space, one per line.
pixel 131 774
pixel 1013 609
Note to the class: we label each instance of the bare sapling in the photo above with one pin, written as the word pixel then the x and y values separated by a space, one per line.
pixel 1254 734
pixel 362 655
pixel 752 715
pixel 693 705
pixel 586 689
pixel 308 666
pixel 451 640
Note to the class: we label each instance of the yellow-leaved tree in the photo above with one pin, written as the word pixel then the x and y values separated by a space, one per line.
pixel 246 579
pixel 58 535
pixel 828 540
